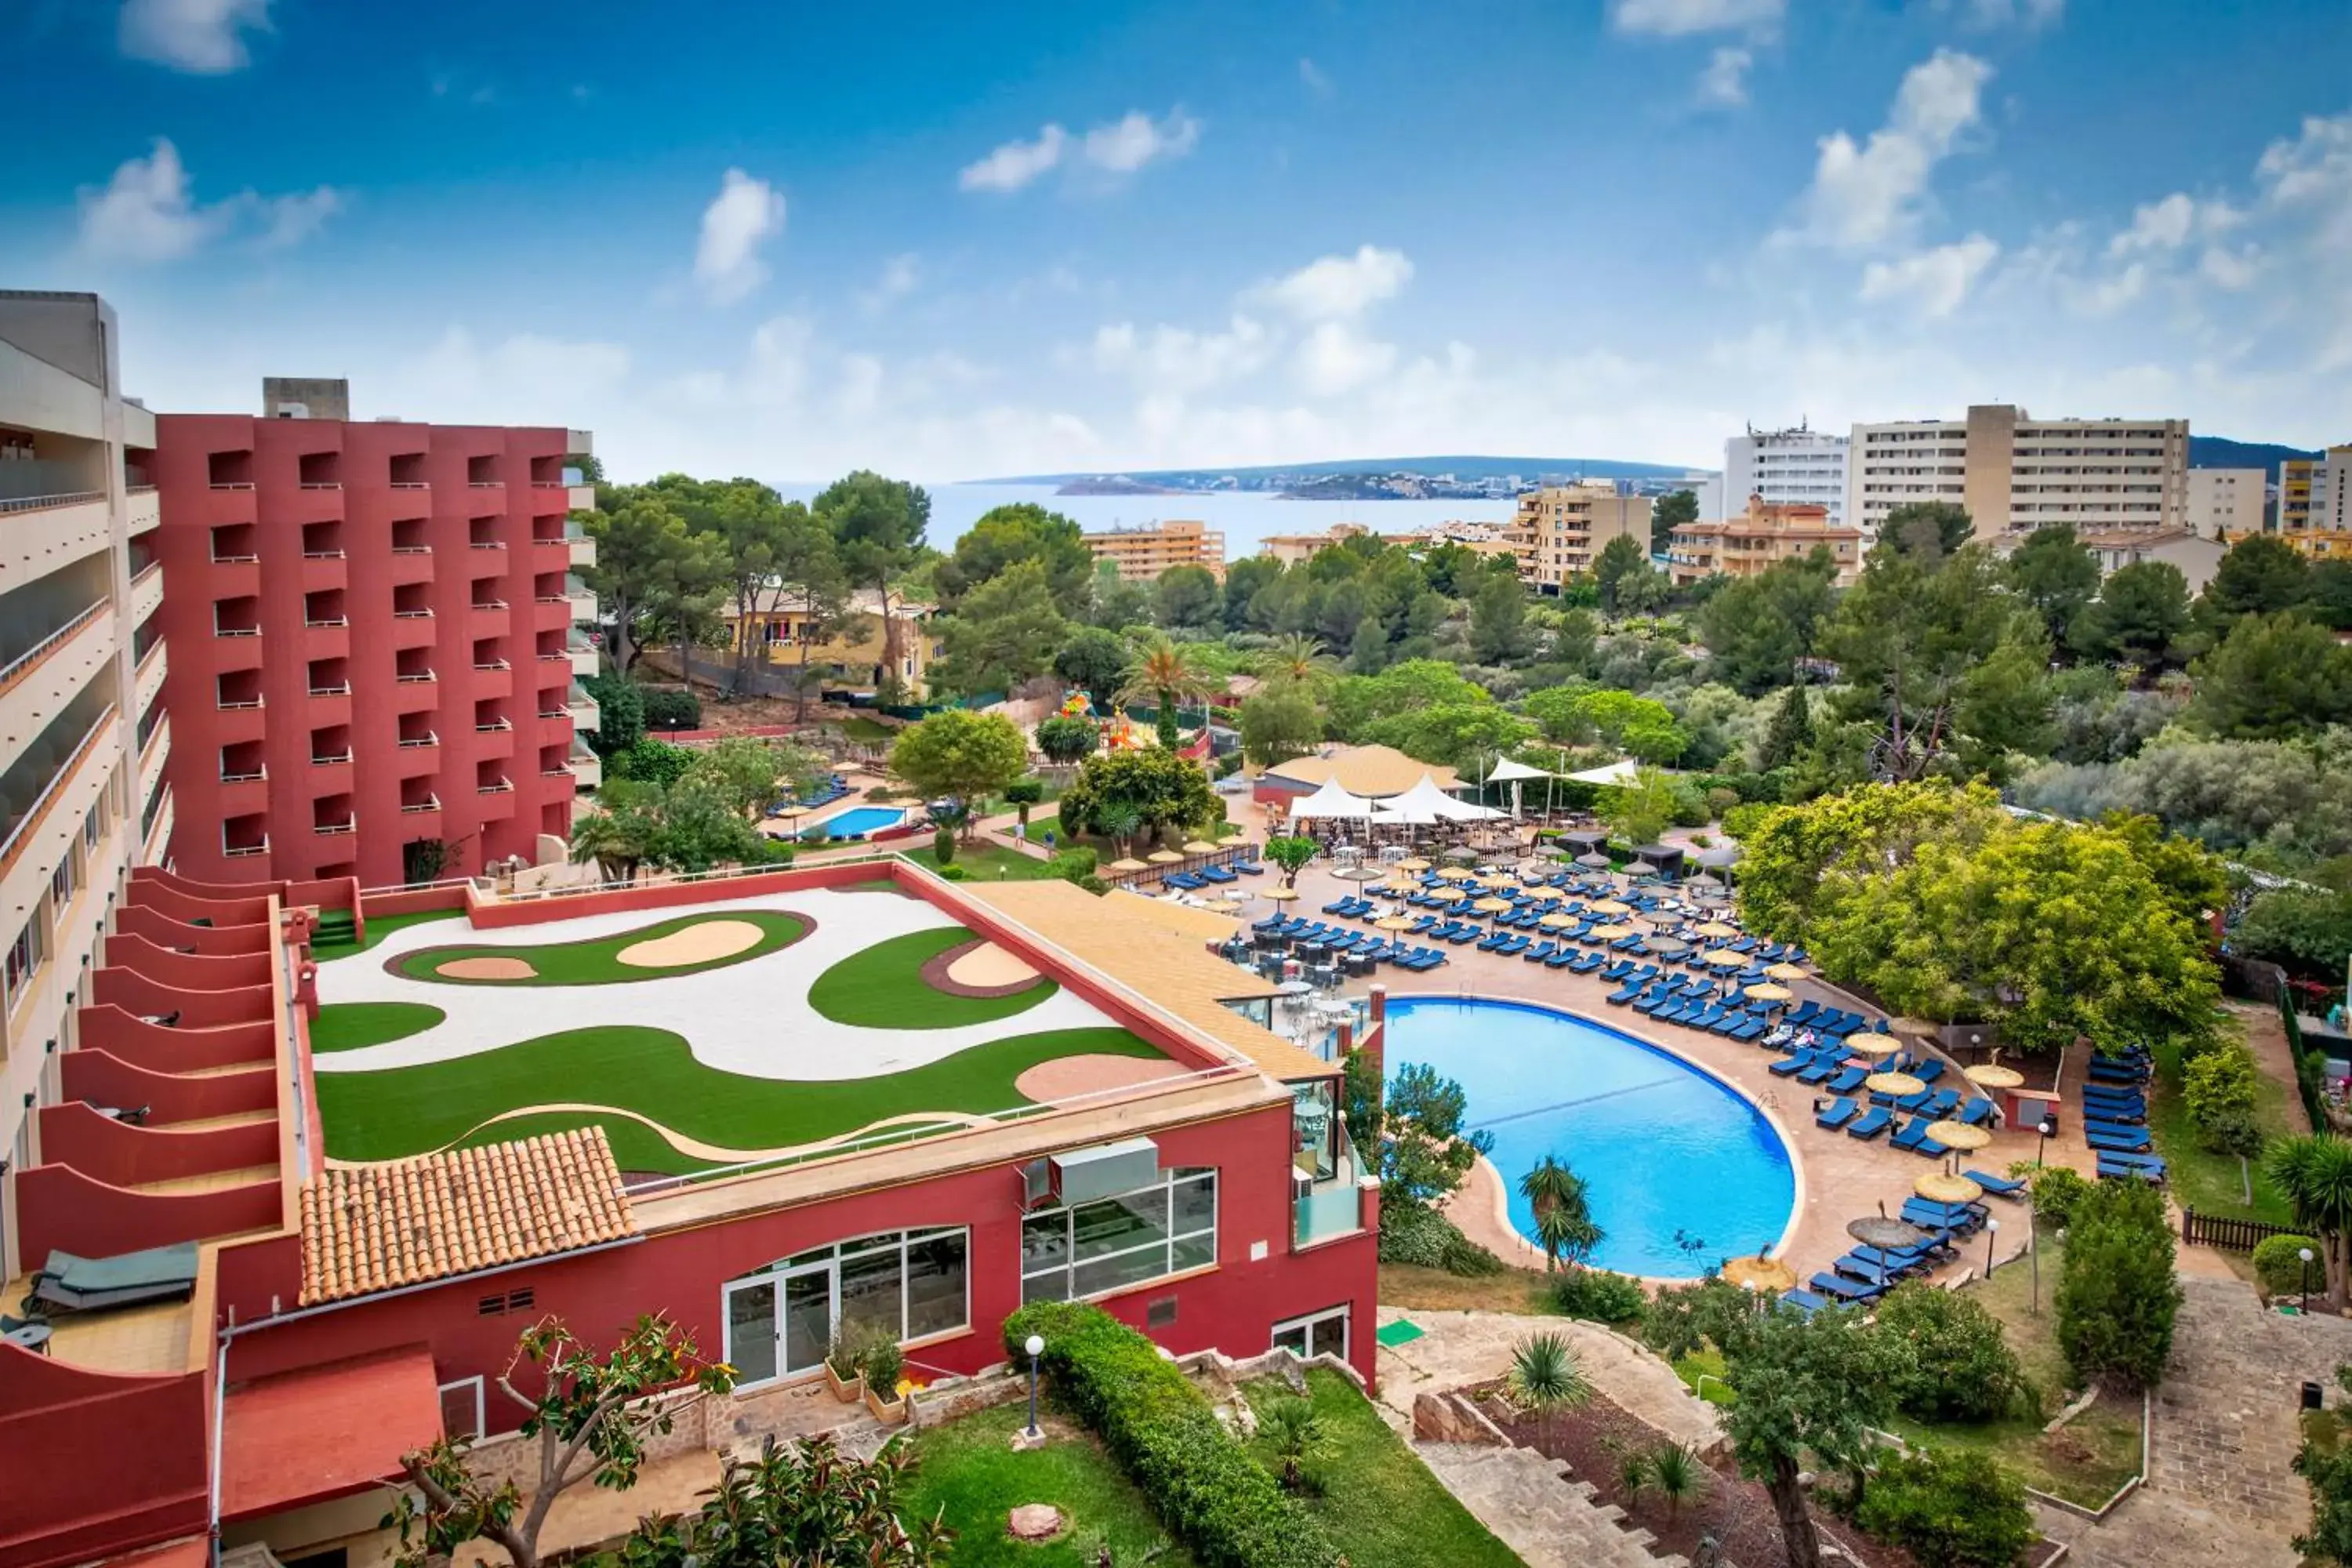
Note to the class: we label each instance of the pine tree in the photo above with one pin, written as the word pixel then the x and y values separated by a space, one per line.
pixel 1791 732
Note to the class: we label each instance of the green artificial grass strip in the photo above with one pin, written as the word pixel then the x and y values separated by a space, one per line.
pixel 597 962
pixel 378 928
pixel 1382 1506
pixel 882 987
pixel 1403 1332
pixel 347 1026
pixel 394 1112
pixel 967 1470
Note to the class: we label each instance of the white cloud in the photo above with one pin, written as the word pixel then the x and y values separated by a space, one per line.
pixel 2315 165
pixel 898 276
pixel 206 36
pixel 1865 194
pixel 1681 18
pixel 1312 76
pixel 1338 286
pixel 1116 148
pixel 2230 269
pixel 745 215
pixel 1725 79
pixel 1335 358
pixel 147 212
pixel 2169 223
pixel 2031 14
pixel 1935 280
pixel 1176 360
pixel 2106 296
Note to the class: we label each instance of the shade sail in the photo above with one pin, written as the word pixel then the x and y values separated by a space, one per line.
pixel 1331 803
pixel 1507 771
pixel 1617 773
pixel 1425 802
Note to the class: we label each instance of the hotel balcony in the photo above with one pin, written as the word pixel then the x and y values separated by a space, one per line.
pixel 146 593
pixel 148 676
pixel 582 547
pixel 586 768
pixel 146 508
pixel 581 653
pixel 582 600
pixel 585 714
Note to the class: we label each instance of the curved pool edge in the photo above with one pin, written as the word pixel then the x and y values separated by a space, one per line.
pixel 1769 1117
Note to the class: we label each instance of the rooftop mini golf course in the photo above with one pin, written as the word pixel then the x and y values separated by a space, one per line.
pixel 687 945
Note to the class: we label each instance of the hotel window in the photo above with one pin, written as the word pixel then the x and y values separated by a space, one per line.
pixel 910 1284
pixel 1318 1333
pixel 1121 1241
pixel 61 886
pixel 94 824
pixel 25 955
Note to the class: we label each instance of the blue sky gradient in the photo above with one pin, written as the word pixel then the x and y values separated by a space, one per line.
pixel 954 240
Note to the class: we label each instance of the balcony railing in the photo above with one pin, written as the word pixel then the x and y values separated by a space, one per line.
pixel 238 852
pixel 494 664
pixel 343 690
pixel 412 484
pixel 145 572
pixel 256 776
pixel 324 555
pixel 227 707
pixel 489 605
pixel 423 615
pixel 348 825
pixel 322 484
pixel 486 484
pixel 503 786
pixel 412 550
pixel 426 738
pixel 22 833
pixel 420 678
pixel 430 803
pixel 485 543
pixel 252 631
pixel 233 485
pixel 63 497
pixel 236 559
pixel 329 623
pixel 330 761
pixel 500 726
pixel 24 663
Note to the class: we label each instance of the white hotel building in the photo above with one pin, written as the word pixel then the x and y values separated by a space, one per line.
pixel 1797 467
pixel 2015 473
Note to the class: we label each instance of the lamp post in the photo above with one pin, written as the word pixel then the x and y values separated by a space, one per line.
pixel 1035 1347
pixel 2048 1128
pixel 1993 1233
pixel 2303 1303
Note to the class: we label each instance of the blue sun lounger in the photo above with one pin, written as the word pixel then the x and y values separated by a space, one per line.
pixel 1839 1112
pixel 1999 1187
pixel 1849 1291
pixel 1913 1136
pixel 1874 1122
pixel 1804 1300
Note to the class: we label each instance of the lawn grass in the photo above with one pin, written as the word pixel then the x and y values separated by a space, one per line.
pixel 1702 1373
pixel 378 928
pixel 967 1470
pixel 396 1113
pixel 1109 851
pixel 868 731
pixel 1380 1504
pixel 1408 1285
pixel 882 987
pixel 2088 1457
pixel 2203 1181
pixel 985 862
pixel 597 962
pixel 347 1026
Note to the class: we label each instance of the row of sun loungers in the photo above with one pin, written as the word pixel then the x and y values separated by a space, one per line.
pixel 1339 942
pixel 1865 1273
pixel 2114 1117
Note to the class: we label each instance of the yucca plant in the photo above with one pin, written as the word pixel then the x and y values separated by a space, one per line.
pixel 1297 1433
pixel 1676 1471
pixel 1545 1376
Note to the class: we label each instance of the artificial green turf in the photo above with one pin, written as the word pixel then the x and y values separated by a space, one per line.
pixel 347 1026
pixel 967 1471
pixel 1380 1504
pixel 595 962
pixel 985 863
pixel 378 928
pixel 882 987
pixel 394 1112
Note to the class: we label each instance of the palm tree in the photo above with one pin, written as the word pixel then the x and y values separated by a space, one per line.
pixel 2313 1172
pixel 1296 658
pixel 1545 1376
pixel 1298 1435
pixel 1563 1210
pixel 1120 824
pixel 1163 673
pixel 614 839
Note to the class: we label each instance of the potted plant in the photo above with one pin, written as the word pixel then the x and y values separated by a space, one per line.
pixel 881 1365
pixel 841 1369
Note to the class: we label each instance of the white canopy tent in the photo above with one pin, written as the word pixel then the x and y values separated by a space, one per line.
pixel 1620 772
pixel 1515 774
pixel 1426 802
pixel 1331 803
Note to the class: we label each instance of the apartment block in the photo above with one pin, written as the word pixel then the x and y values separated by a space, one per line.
pixel 2315 506
pixel 382 636
pixel 1141 555
pixel 1562 530
pixel 1797 467
pixel 2016 473
pixel 83 733
pixel 1768 534
pixel 2226 503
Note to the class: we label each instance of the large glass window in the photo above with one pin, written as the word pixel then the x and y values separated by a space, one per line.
pixel 1116 1242
pixel 25 955
pixel 906 1284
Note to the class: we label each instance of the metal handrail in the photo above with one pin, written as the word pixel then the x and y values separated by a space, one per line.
pixel 419 679
pixel 328 762
pixel 64 497
pixel 322 554
pixel 237 485
pixel 412 484
pixel 236 559
pixel 486 484
pixel 433 804
pixel 343 690
pixel 504 786
pixel 424 614
pixel 21 834
pixel 321 484
pixel 23 663
pixel 427 738
pixel 235 706
pixel 146 572
pixel 236 631
pixel 253 777
pixel 348 825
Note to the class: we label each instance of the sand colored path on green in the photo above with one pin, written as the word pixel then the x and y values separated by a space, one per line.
pixel 883 987
pixel 598 961
pixel 650 1078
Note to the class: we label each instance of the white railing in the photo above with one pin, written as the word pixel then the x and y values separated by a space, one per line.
pixel 431 803
pixel 321 484
pixel 348 825
pixel 236 559
pixel 427 738
pixel 503 786
pixel 237 485
pixel 22 665
pixel 64 497
pixel 237 706
pixel 343 690
pixel 422 677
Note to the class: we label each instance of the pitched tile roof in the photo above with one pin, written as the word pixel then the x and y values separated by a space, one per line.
pixel 376 1227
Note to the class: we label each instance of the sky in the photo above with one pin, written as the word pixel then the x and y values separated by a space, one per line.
pixel 953 241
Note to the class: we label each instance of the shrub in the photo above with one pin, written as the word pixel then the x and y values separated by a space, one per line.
pixel 955 874
pixel 672 710
pixel 943 845
pixel 1599 1296
pixel 1719 801
pixel 1949 1509
pixel 1206 1488
pixel 621 714
pixel 2116 1294
pixel 881 1363
pixel 1959 1367
pixel 2219 1086
pixel 1416 1234
pixel 652 761
pixel 2279 1268
pixel 2057 1192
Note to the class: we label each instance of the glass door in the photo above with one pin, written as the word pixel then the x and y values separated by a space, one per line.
pixel 808 1318
pixel 752 1330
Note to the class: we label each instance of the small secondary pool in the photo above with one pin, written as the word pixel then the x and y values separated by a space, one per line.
pixel 1667 1150
pixel 860 821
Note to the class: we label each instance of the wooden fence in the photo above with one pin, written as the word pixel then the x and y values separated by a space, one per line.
pixel 2233 1235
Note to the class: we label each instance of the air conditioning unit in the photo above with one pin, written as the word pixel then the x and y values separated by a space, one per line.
pixel 1082 1175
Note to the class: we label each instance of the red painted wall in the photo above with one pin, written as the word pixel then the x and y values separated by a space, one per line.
pixel 125 1155
pixel 188 972
pixel 145 998
pixel 161 929
pixel 359 506
pixel 104 1078
pixel 59 1207
pixel 1232 1307
pixel 120 1461
pixel 160 1049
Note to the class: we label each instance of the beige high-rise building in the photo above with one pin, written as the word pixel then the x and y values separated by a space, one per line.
pixel 2015 473
pixel 2314 510
pixel 82 731
pixel 1562 530
pixel 2226 502
pixel 1143 554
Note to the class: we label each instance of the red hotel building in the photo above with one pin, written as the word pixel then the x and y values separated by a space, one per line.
pixel 327 1320
pixel 377 644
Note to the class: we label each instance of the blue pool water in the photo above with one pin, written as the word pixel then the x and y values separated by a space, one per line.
pixel 1662 1146
pixel 859 821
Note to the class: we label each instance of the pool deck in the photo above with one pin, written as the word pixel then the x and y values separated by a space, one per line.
pixel 1838 1178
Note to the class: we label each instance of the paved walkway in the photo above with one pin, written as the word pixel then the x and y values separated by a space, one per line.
pixel 1457 1349
pixel 1534 1508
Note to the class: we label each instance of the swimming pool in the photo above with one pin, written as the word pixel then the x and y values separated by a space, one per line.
pixel 860 821
pixel 1663 1147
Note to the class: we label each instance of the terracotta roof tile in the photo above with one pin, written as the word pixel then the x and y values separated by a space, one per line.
pixel 377 1227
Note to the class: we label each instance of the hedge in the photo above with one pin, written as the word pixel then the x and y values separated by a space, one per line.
pixel 1207 1488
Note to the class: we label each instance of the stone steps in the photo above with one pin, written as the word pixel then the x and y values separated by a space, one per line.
pixel 1534 1506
